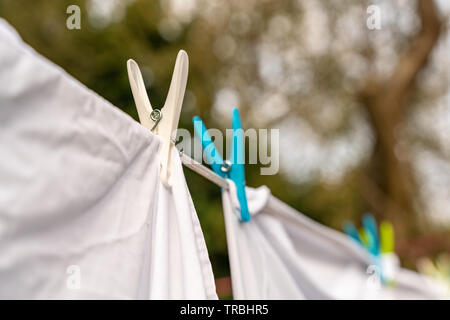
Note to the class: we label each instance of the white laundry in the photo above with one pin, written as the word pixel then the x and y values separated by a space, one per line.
pixel 82 211
pixel 281 254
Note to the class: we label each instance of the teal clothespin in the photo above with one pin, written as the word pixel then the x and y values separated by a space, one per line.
pixel 352 232
pixel 373 240
pixel 232 168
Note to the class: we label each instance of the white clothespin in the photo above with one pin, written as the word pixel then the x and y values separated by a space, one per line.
pixel 163 122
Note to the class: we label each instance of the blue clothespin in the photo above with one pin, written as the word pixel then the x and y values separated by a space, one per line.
pixel 373 241
pixel 352 232
pixel 232 168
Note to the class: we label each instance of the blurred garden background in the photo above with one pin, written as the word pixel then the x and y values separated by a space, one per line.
pixel 363 113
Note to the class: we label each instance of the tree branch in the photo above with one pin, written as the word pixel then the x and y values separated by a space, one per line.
pixel 385 101
pixel 415 58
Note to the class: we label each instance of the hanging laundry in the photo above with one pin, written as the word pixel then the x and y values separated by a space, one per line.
pixel 281 254
pixel 83 213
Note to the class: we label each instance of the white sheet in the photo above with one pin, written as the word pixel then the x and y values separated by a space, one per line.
pixel 81 204
pixel 281 254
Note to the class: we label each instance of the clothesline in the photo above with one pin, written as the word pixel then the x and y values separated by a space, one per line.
pixel 203 171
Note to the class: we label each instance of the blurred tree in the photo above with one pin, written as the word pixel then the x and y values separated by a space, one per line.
pixel 392 189
pixel 353 105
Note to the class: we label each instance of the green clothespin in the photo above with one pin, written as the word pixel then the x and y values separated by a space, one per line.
pixel 363 235
pixel 386 237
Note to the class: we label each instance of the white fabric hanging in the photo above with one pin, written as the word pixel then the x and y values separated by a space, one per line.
pixel 82 211
pixel 281 254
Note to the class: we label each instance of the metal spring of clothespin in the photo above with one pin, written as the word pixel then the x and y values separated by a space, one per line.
pixel 156 116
